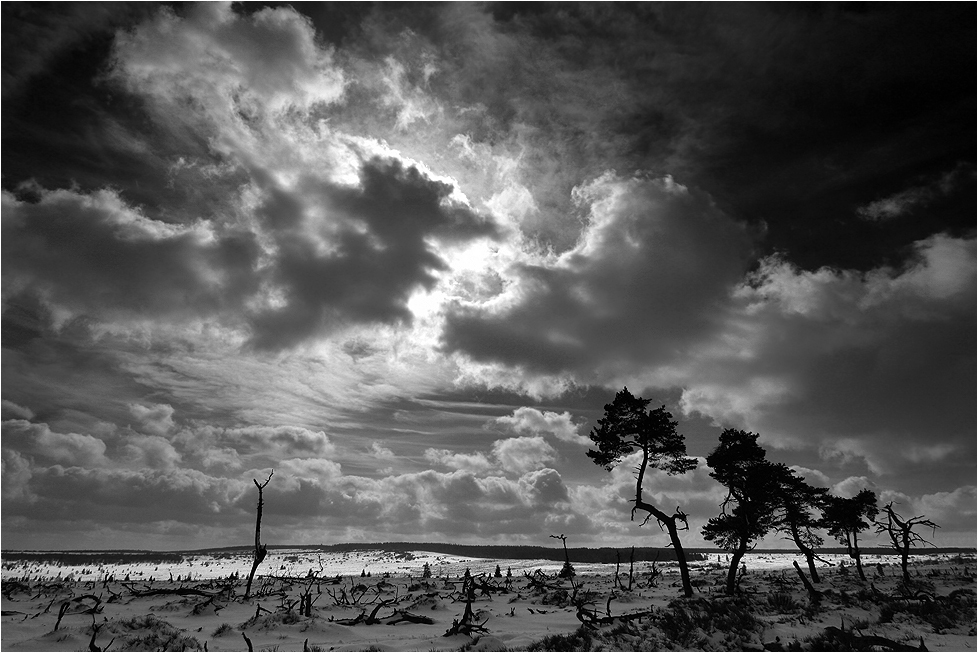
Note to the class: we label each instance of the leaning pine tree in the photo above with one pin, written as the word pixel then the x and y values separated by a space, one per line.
pixel 628 427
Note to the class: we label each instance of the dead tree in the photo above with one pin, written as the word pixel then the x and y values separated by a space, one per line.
pixel 468 624
pixel 568 569
pixel 261 550
pixel 902 535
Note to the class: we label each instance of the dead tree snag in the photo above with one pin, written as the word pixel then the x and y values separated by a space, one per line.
pixel 260 549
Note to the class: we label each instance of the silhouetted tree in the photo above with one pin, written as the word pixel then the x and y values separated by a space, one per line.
pixel 260 549
pixel 796 520
pixel 627 426
pixel 845 518
pixel 749 510
pixel 902 535
pixel 567 571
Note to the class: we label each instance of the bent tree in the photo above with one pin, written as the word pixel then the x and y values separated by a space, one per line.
pixel 628 427
pixel 798 499
pixel 844 518
pixel 749 510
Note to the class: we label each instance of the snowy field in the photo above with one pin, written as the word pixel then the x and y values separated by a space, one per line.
pixel 301 562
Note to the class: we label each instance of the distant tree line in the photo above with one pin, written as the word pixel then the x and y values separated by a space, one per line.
pixel 76 558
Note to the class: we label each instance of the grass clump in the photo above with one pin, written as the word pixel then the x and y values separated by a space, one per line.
pixel 222 630
pixel 150 633
pixel 579 640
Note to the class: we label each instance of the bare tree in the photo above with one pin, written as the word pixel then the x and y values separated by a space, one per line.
pixel 568 569
pixel 626 427
pixel 261 550
pixel 902 535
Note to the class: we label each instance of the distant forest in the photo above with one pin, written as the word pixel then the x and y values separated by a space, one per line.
pixel 606 555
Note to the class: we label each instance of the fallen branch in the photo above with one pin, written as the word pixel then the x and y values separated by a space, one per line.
pixel 813 594
pixel 863 642
pixel 591 620
pixel 404 615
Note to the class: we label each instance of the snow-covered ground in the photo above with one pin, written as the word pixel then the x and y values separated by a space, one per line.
pixel 300 562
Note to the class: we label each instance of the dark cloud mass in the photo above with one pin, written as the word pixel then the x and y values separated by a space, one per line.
pixel 404 254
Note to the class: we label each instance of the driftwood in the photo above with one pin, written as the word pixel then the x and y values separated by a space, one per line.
pixel 467 625
pixel 591 620
pixel 179 591
pixel 863 642
pixel 92 610
pixel 92 646
pixel 813 594
pixel 404 615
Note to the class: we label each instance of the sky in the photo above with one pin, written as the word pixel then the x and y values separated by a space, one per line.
pixel 404 254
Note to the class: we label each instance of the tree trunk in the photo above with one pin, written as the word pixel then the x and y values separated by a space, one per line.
pixel 260 551
pixel 805 551
pixel 663 518
pixel 734 565
pixel 680 556
pixel 855 554
pixel 905 562
pixel 810 557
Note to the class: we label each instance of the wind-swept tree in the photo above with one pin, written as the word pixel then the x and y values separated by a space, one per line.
pixel 749 510
pixel 796 520
pixel 902 535
pixel 627 427
pixel 844 518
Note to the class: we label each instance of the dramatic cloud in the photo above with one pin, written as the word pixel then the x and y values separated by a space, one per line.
pixel 403 256
pixel 876 367
pixel 647 282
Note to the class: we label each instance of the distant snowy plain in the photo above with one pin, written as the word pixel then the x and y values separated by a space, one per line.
pixel 303 562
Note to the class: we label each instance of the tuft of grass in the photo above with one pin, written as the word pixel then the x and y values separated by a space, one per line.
pixel 222 630
pixel 579 640
pixel 150 633
pixel 781 602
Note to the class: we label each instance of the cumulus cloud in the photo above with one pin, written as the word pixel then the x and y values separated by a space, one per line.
pixel 156 419
pixel 646 282
pixel 152 451
pixel 524 454
pixel 93 254
pixel 317 229
pixel 270 441
pixel 38 440
pixel 530 420
pixel 473 462
pixel 269 60
pixel 843 361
